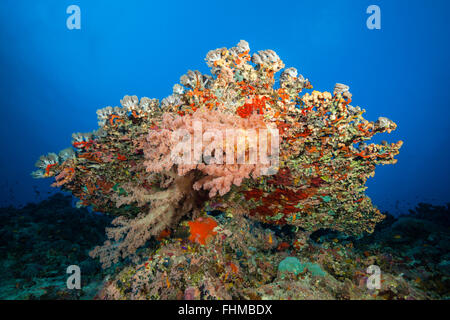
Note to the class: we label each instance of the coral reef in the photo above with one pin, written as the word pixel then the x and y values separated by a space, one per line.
pixel 39 241
pixel 310 175
pixel 244 260
pixel 224 256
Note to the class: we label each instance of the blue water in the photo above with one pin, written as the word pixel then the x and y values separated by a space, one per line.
pixel 52 80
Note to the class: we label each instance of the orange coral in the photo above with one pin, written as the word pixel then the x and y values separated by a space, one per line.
pixel 257 104
pixel 202 230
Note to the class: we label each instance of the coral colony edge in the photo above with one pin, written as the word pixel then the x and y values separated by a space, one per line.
pixel 217 190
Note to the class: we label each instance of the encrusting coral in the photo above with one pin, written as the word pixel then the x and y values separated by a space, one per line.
pixel 313 177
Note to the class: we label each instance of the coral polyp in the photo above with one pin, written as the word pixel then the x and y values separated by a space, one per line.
pixel 315 178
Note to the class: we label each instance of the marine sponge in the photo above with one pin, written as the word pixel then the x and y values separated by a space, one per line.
pixel 202 230
pixel 294 266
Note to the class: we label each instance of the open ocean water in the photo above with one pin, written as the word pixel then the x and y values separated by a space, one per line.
pixel 61 61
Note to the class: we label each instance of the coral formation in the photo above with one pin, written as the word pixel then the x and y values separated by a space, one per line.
pixel 293 265
pixel 313 175
pixel 242 258
pixel 39 241
pixel 243 262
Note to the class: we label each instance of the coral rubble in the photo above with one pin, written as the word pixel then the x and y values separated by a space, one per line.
pixel 39 241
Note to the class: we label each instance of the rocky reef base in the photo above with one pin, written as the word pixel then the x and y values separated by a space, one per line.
pixel 220 256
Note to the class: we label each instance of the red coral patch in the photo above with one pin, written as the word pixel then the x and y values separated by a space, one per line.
pixel 202 230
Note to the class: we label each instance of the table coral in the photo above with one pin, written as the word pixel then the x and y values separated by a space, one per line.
pixel 319 159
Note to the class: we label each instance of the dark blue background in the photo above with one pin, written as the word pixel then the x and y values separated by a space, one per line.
pixel 52 80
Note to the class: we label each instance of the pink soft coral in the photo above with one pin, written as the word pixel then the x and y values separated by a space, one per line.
pixel 216 158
